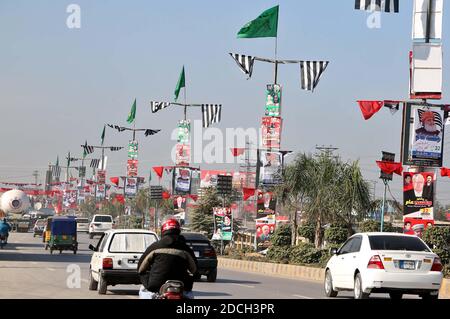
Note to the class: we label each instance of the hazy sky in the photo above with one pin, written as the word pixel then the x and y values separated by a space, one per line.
pixel 59 86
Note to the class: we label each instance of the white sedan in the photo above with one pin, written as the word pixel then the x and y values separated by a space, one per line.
pixel 116 257
pixel 384 263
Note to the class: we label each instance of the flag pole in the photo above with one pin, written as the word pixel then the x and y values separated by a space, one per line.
pixel 185 103
pixel 276 61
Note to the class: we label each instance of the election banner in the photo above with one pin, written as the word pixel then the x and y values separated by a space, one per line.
pixel 132 150
pixel 132 168
pixel 418 195
pixel 183 154
pixel 184 128
pixel 131 186
pixel 273 100
pixel 223 223
pixel 415 226
pixel 270 168
pixel 208 178
pixel 101 176
pixel 265 228
pixel 100 191
pixel 182 180
pixel 271 132
pixel 266 204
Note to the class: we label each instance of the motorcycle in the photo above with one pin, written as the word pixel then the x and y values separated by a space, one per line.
pixel 3 240
pixel 172 289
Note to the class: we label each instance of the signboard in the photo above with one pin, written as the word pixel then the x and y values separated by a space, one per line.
pixel 131 186
pixel 132 168
pixel 387 157
pixel 184 128
pixel 418 195
pixel 101 177
pixel 271 132
pixel 423 135
pixel 223 221
pixel 415 226
pixel 132 150
pixel 183 154
pixel 100 191
pixel 266 204
pixel 426 70
pixel 270 168
pixel 273 100
pixel 182 180
pixel 265 228
pixel 208 178
pixel 421 23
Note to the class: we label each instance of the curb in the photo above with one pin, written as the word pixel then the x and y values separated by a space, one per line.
pixel 295 272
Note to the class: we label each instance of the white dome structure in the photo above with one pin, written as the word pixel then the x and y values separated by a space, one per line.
pixel 14 202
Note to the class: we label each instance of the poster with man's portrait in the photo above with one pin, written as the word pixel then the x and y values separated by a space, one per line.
pixel 183 154
pixel 265 228
pixel 208 178
pixel 273 100
pixel 270 168
pixel 416 226
pixel 131 186
pixel 223 223
pixel 100 191
pixel 132 168
pixel 418 195
pixel 133 150
pixel 184 128
pixel 101 176
pixel 182 180
pixel 423 138
pixel 271 132
pixel 266 204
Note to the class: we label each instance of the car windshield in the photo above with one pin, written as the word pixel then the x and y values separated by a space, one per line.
pixel 82 220
pixel 103 219
pixel 409 243
pixel 131 242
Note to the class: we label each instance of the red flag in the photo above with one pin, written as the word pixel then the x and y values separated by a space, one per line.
pixel 120 198
pixel 248 192
pixel 390 167
pixel 114 180
pixel 159 170
pixel 369 108
pixel 237 151
pixel 445 172
pixel 194 197
pixel 165 195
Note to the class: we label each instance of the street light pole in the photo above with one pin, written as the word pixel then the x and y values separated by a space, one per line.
pixel 384 204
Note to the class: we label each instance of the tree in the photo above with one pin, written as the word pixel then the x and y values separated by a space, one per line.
pixel 202 219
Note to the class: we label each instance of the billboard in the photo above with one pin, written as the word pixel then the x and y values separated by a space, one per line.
pixel 131 186
pixel 270 168
pixel 271 132
pixel 423 135
pixel 415 226
pixel 100 191
pixel 182 180
pixel 223 223
pixel 183 154
pixel 266 204
pixel 132 168
pixel 132 150
pixel 265 228
pixel 208 178
pixel 101 177
pixel 184 128
pixel 418 195
pixel 70 198
pixel 273 100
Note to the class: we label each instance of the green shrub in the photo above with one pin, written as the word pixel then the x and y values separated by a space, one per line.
pixel 305 253
pixel 437 237
pixel 282 236
pixel 279 254
pixel 336 235
pixel 308 232
pixel 370 226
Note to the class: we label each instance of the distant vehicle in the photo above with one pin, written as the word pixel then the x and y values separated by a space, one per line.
pixel 38 229
pixel 384 263
pixel 100 224
pixel 205 253
pixel 83 224
pixel 63 234
pixel 116 256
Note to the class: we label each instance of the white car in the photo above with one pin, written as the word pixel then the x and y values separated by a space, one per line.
pixel 82 225
pixel 100 224
pixel 116 257
pixel 384 263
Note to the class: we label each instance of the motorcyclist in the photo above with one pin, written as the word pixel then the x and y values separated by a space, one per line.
pixel 168 259
pixel 5 228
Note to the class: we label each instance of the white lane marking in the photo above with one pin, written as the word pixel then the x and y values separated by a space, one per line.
pixel 302 297
pixel 51 269
pixel 244 285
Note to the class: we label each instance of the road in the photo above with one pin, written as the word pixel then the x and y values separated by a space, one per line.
pixel 29 271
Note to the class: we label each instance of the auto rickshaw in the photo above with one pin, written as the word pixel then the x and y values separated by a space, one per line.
pixel 47 232
pixel 63 234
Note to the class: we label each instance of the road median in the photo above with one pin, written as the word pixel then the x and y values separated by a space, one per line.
pixel 294 271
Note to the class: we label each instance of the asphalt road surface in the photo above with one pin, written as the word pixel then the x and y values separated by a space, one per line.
pixel 27 270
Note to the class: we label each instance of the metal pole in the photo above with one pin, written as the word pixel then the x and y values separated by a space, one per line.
pixel 429 14
pixel 384 204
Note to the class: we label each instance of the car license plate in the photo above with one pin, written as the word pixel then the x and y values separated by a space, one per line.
pixel 407 264
pixel 196 253
pixel 133 261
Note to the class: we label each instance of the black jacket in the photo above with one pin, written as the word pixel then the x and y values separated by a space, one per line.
pixel 168 259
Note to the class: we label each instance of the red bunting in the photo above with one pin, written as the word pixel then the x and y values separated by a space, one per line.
pixel 165 195
pixel 237 151
pixel 120 198
pixel 369 108
pixel 248 192
pixel 115 180
pixel 445 172
pixel 390 167
pixel 159 170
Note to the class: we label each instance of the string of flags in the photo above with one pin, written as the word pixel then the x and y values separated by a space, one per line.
pixel 390 167
pixel 370 108
pixel 121 129
pixel 378 5
pixel 310 71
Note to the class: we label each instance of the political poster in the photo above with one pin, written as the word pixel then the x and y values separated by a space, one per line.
pixel 100 191
pixel 271 132
pixel 266 204
pixel 184 128
pixel 183 154
pixel 273 100
pixel 132 168
pixel 70 198
pixel 270 168
pixel 131 186
pixel 415 226
pixel 244 180
pixel 265 228
pixel 132 150
pixel 208 178
pixel 182 180
pixel 418 195
pixel 423 138
pixel 223 223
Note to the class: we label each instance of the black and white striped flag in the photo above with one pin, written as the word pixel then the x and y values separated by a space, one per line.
pixel 115 148
pixel 95 163
pixel 157 106
pixel 211 114
pixel 151 132
pixel 311 71
pixel 56 171
pixel 117 127
pixel 377 5
pixel 244 62
pixel 88 149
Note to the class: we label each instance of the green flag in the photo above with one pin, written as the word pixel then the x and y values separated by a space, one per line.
pixel 103 134
pixel 132 114
pixel 181 84
pixel 264 26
